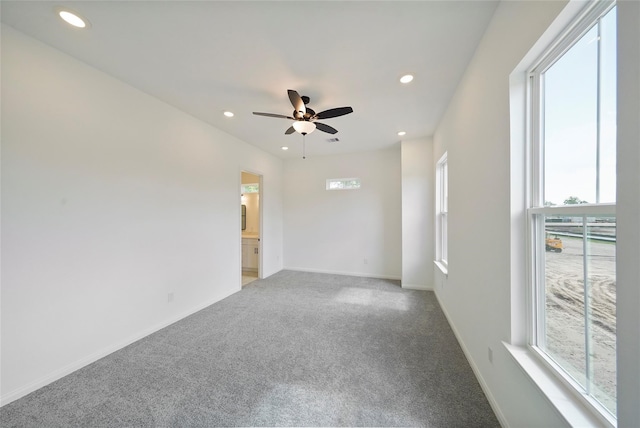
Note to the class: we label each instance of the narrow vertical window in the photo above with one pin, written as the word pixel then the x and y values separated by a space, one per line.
pixel 572 210
pixel 442 209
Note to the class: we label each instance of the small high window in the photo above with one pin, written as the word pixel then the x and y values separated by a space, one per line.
pixel 250 188
pixel 343 183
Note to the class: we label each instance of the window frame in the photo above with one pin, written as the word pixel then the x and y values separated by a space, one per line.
pixel 535 205
pixel 442 214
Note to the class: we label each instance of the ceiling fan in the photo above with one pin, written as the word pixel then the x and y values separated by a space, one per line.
pixel 305 118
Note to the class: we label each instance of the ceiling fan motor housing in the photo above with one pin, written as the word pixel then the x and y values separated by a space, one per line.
pixel 308 114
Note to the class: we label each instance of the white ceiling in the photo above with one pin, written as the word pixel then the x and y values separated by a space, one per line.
pixel 205 57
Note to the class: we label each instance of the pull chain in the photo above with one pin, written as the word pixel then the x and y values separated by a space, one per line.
pixel 304 156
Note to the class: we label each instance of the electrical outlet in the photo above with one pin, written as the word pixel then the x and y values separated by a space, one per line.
pixel 170 297
pixel 490 355
pixel 366 262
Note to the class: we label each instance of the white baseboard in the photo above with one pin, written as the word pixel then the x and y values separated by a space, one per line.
pixel 85 361
pixel 485 388
pixel 420 287
pixel 332 272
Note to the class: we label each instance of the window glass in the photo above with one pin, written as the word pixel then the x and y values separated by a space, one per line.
pixel 579 120
pixel 343 183
pixel 578 324
pixel 250 188
pixel 442 208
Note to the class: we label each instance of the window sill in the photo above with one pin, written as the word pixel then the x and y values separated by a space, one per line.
pixel 561 396
pixel 443 268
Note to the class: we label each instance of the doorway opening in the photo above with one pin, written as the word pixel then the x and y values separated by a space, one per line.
pixel 251 226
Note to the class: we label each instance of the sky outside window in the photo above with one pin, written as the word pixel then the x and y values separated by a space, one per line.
pixel 576 98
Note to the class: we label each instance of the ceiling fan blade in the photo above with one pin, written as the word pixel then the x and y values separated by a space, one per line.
pixel 333 112
pixel 325 128
pixel 297 102
pixel 291 130
pixel 281 116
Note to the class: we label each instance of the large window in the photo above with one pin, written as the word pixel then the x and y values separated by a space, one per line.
pixel 442 210
pixel 572 208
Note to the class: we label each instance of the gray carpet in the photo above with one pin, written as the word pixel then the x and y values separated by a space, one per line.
pixel 296 349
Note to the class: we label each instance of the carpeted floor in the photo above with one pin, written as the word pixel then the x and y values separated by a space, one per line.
pixel 295 349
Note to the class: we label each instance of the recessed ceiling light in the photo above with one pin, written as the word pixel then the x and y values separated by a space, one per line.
pixel 72 18
pixel 406 78
pixel 228 113
pixel 284 148
pixel 401 133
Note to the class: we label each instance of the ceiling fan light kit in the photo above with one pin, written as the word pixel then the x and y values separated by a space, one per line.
pixel 304 127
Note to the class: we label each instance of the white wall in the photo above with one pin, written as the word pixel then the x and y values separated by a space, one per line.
pixel 111 200
pixel 417 214
pixel 475 134
pixel 477 295
pixel 628 214
pixel 335 231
